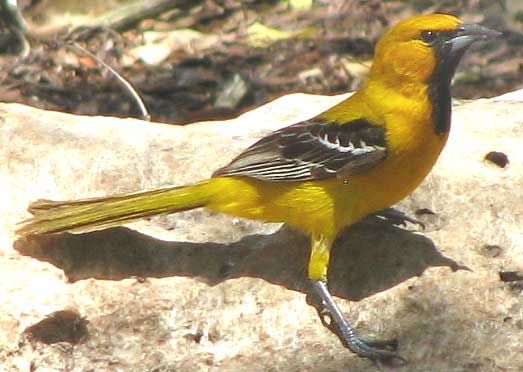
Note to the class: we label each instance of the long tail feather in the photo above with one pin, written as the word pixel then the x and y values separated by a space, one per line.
pixel 100 213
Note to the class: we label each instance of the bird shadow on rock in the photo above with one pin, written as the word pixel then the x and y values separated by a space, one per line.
pixel 369 257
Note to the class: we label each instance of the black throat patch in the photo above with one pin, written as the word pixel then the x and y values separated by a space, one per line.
pixel 439 87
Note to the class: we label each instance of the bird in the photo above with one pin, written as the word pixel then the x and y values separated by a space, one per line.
pixel 325 173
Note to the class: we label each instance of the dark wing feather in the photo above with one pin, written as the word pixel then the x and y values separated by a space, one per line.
pixel 312 150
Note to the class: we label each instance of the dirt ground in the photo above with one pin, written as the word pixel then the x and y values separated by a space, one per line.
pixel 196 60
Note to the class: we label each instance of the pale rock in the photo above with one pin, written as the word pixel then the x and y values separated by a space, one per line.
pixel 225 294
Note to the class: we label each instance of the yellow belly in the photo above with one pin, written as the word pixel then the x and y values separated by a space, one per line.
pixel 308 206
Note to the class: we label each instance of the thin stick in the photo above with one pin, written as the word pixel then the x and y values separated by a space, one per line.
pixel 128 86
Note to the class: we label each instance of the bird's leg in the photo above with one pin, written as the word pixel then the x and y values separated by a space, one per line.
pixel 317 303
pixel 325 317
pixel 397 217
pixel 376 350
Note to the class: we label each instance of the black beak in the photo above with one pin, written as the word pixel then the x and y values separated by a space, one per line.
pixel 468 34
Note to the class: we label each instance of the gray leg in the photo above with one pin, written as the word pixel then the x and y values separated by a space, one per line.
pixel 374 350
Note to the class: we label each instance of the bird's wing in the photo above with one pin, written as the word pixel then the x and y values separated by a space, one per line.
pixel 314 149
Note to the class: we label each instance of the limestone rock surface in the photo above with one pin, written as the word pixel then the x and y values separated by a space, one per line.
pixel 198 291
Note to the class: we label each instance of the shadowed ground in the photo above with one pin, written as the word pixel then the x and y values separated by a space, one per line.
pixel 369 258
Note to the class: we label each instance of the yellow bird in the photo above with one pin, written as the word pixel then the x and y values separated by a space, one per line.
pixel 322 174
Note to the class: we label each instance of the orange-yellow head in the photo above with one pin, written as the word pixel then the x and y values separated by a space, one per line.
pixel 424 46
pixel 417 58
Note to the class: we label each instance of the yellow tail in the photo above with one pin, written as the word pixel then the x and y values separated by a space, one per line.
pixel 100 213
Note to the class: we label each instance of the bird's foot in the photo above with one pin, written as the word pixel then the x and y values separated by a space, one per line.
pixel 380 352
pixel 398 218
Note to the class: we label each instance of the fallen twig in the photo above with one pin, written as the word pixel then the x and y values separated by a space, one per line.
pixel 128 86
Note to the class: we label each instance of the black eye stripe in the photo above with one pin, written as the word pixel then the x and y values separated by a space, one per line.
pixel 429 36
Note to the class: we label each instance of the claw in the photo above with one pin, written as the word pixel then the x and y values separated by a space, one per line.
pixel 381 352
pixel 381 344
pixel 398 218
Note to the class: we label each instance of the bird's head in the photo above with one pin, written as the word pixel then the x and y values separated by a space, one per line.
pixel 425 47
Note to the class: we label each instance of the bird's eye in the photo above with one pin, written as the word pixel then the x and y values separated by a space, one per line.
pixel 429 36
